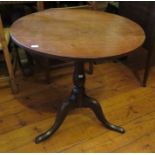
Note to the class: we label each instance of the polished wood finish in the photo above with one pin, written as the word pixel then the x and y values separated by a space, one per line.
pixel 41 7
pixel 77 34
pixel 68 33
pixel 30 111
pixel 78 99
pixel 7 58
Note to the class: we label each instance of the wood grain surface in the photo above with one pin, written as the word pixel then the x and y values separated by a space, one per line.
pixel 27 114
pixel 77 33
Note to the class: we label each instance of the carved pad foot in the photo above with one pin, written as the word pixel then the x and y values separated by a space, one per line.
pixel 59 120
pixel 95 106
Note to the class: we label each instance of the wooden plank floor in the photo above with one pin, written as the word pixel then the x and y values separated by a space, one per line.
pixel 125 102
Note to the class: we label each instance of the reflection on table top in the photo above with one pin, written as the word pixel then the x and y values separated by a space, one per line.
pixel 77 33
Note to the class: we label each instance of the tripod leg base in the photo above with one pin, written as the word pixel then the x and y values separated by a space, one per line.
pixel 95 106
pixel 59 120
pixel 78 98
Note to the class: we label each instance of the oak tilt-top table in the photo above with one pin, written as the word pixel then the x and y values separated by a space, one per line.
pixel 79 35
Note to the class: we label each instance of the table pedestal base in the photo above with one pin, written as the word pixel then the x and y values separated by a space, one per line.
pixel 78 98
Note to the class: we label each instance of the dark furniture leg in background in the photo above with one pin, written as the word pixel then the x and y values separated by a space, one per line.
pixel 26 67
pixel 143 14
pixel 78 99
pixel 147 68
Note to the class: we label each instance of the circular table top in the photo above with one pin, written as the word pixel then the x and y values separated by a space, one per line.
pixel 77 33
